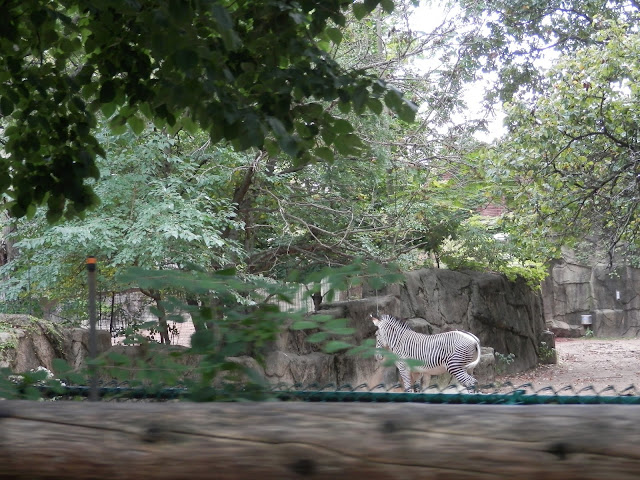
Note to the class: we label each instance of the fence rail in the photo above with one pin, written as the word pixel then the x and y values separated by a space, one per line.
pixel 282 441
pixel 507 394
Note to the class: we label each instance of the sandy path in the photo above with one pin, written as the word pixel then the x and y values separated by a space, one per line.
pixel 586 363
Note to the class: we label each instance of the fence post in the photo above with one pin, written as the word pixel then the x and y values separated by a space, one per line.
pixel 91 274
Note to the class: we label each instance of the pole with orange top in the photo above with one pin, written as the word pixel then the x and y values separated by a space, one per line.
pixel 91 274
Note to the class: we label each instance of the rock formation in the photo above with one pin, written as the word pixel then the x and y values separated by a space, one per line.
pixel 610 297
pixel 27 343
pixel 506 316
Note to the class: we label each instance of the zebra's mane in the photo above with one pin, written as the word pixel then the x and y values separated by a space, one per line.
pixel 395 321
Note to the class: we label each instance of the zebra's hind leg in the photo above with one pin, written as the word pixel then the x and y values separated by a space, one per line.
pixel 463 378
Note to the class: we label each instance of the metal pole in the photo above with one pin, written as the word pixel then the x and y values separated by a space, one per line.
pixel 91 274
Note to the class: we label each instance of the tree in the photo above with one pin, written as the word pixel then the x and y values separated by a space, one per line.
pixel 567 167
pixel 247 72
pixel 409 187
pixel 162 207
pixel 402 191
pixel 570 163
pixel 174 200
pixel 517 38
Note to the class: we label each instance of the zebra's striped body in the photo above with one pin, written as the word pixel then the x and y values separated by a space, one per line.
pixel 452 352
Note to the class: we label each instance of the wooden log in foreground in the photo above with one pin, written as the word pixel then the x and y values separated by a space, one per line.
pixel 271 440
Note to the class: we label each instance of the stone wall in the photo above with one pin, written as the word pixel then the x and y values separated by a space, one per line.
pixel 27 343
pixel 612 298
pixel 506 316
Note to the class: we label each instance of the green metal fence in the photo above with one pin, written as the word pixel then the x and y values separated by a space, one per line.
pixel 506 394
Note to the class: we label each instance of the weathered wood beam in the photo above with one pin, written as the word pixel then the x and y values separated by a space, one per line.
pixel 280 440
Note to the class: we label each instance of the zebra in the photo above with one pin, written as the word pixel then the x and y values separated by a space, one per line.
pixel 452 352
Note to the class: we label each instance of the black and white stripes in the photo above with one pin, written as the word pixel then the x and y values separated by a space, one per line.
pixel 452 352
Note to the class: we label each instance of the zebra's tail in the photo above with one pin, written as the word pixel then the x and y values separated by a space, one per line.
pixel 475 339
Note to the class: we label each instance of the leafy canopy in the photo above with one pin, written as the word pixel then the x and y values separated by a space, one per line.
pixel 160 208
pixel 514 37
pixel 575 151
pixel 250 72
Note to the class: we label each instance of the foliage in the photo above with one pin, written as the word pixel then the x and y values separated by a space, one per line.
pixel 174 200
pixel 569 167
pixel 503 361
pixel 160 208
pixel 546 352
pixel 483 246
pixel 247 325
pixel 517 38
pixel 567 71
pixel 317 164
pixel 407 192
pixel 26 385
pixel 336 213
pixel 252 73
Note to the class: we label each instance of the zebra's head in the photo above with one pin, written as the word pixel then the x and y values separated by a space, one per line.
pixel 381 338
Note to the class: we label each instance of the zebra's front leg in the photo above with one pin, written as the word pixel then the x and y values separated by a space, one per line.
pixel 405 374
pixel 418 381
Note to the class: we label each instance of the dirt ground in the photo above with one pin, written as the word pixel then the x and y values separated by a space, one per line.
pixel 582 363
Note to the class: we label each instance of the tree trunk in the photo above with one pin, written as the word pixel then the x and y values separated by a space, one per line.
pixel 7 251
pixel 278 440
pixel 163 328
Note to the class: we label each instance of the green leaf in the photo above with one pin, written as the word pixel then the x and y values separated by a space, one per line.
pixel 328 135
pixel 334 323
pixel 38 17
pixel 349 144
pixel 60 366
pixel 289 145
pixel 344 107
pixel 359 11
pixel 324 45
pixel 303 325
pixel 359 98
pixel 375 105
pixel 225 27
pixel 107 92
pixel 371 4
pixel 136 124
pixel 186 59
pixel 276 126
pixel 31 211
pixel 335 35
pixel 6 106
pixel 119 358
pixel 317 337
pixel 118 124
pixel 403 108
pixel 387 5
pixel 336 345
pixel 325 153
pixel 342 126
pixel 202 341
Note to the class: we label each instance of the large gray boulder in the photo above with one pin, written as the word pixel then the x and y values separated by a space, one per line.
pixel 564 330
pixel 27 343
pixel 506 316
pixel 75 345
pixel 610 295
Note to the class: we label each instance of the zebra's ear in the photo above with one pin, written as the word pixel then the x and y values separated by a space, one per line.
pixel 376 321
